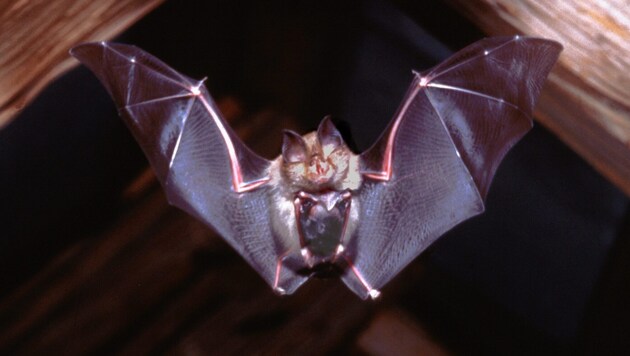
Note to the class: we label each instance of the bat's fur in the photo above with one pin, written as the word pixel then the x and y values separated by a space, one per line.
pixel 338 170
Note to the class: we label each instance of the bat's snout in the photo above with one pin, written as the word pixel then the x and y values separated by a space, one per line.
pixel 319 170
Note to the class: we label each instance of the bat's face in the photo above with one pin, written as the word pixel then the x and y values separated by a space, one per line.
pixel 318 161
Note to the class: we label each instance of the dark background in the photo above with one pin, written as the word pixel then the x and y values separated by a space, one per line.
pixel 543 270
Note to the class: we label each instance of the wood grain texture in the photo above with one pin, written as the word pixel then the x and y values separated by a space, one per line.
pixel 35 37
pixel 586 101
pixel 392 332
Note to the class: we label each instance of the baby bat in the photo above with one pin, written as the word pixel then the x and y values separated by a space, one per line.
pixel 319 204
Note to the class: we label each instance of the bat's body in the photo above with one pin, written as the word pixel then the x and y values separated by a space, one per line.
pixel 319 204
pixel 313 199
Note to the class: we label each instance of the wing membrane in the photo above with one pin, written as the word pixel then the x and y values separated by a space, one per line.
pixel 205 169
pixel 432 167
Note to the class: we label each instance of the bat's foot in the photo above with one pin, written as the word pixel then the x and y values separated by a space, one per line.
pixel 374 293
pixel 357 283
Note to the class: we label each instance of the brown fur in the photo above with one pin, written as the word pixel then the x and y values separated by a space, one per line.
pixel 287 179
pixel 342 165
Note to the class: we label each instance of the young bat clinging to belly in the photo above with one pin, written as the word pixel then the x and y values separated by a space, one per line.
pixel 318 204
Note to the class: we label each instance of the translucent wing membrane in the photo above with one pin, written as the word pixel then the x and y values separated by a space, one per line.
pixel 430 170
pixel 485 95
pixel 432 167
pixel 205 169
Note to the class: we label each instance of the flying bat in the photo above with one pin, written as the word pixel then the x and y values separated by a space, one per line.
pixel 319 205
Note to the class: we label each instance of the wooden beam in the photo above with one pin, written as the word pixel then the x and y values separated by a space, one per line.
pixel 586 101
pixel 392 332
pixel 35 37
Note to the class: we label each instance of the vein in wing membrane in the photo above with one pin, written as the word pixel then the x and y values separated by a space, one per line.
pixel 478 51
pixel 160 138
pixel 456 123
pixel 430 192
pixel 199 182
pixel 510 69
pixel 482 130
pixel 186 141
pixel 485 94
pixel 146 77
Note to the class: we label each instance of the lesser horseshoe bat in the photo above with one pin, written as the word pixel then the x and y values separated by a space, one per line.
pixel 319 203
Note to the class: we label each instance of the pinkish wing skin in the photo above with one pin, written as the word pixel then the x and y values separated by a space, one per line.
pixel 433 165
pixel 205 169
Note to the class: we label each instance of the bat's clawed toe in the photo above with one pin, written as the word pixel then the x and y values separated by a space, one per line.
pixel 374 294
pixel 279 291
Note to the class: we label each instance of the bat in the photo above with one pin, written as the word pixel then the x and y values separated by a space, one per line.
pixel 319 206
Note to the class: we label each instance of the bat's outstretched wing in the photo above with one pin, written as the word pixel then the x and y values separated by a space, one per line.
pixel 432 167
pixel 205 169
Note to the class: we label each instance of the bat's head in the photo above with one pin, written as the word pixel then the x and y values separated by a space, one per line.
pixel 318 160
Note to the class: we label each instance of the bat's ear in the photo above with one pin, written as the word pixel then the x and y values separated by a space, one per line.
pixel 328 136
pixel 293 147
